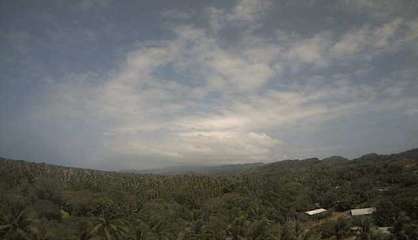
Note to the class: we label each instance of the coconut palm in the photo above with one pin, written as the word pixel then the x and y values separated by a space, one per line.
pixel 84 231
pixel 108 229
pixel 341 228
pixel 365 233
pixel 16 225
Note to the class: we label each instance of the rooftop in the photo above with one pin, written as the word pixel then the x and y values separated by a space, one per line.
pixel 316 211
pixel 362 211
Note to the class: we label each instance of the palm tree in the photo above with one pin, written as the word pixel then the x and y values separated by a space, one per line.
pixel 340 228
pixel 365 233
pixel 139 235
pixel 107 228
pixel 84 231
pixel 16 225
pixel 40 232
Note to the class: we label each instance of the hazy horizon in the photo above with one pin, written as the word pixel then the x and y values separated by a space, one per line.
pixel 175 165
pixel 105 85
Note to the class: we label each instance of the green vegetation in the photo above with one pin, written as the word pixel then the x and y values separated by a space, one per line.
pixel 40 201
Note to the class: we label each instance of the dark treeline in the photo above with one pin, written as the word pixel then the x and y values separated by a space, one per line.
pixel 40 201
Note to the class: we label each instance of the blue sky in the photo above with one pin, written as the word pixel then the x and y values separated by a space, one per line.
pixel 142 84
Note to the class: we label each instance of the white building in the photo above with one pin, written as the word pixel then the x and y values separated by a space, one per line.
pixel 316 211
pixel 362 211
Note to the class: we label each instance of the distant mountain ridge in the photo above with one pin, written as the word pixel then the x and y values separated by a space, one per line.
pixel 199 169
pixel 244 167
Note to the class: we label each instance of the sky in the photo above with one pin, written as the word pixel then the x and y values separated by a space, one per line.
pixel 140 84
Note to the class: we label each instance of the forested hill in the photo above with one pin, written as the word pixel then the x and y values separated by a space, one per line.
pixel 199 169
pixel 41 201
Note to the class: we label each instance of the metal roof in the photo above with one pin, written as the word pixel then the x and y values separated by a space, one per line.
pixel 362 211
pixel 316 211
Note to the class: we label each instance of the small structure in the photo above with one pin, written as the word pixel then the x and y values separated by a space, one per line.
pixel 316 212
pixel 362 211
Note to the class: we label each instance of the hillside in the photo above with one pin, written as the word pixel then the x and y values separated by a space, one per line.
pixel 261 201
pixel 199 169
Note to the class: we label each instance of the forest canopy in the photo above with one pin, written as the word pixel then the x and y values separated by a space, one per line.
pixel 263 201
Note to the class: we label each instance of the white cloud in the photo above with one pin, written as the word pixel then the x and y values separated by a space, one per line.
pixel 245 14
pixel 216 103
pixel 368 39
pixel 380 9
pixel 238 72
pixel 249 10
pixel 309 50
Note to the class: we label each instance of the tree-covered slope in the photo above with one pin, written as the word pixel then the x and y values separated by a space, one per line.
pixel 41 201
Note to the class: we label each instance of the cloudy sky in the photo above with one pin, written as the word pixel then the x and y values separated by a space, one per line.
pixel 143 84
